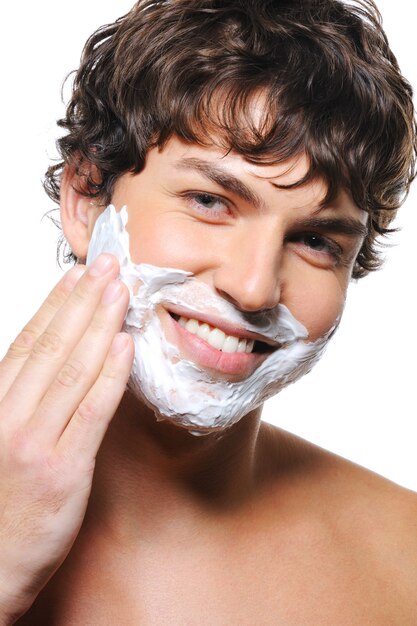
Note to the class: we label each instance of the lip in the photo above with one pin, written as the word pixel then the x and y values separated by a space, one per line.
pixel 236 365
pixel 226 327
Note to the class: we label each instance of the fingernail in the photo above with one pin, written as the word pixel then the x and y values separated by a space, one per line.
pixel 119 343
pixel 112 292
pixel 73 276
pixel 101 265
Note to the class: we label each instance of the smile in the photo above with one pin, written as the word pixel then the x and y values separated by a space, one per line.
pixel 221 340
pixel 216 337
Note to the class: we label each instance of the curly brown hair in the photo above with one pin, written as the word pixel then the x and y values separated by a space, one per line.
pixel 332 84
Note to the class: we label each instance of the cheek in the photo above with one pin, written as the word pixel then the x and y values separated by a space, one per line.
pixel 158 235
pixel 318 304
pixel 166 241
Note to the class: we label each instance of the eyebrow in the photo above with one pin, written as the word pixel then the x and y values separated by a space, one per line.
pixel 222 178
pixel 343 225
pixel 339 225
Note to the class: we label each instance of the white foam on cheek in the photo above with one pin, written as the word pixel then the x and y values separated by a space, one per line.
pixel 177 389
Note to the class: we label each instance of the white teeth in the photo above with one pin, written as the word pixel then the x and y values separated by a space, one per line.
pixel 242 345
pixel 250 345
pixel 203 331
pixel 192 326
pixel 216 337
pixel 230 344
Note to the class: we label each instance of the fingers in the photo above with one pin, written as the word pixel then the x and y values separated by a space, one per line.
pixel 64 385
pixel 55 344
pixel 20 349
pixel 82 367
pixel 84 433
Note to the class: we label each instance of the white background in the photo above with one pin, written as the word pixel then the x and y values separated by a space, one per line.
pixel 360 400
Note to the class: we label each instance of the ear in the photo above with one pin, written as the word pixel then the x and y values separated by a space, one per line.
pixel 78 212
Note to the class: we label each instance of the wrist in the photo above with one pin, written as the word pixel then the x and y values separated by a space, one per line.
pixel 10 611
pixel 12 605
pixel 7 617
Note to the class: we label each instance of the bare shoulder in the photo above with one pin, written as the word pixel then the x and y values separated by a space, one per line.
pixel 378 521
pixel 345 486
pixel 362 517
pixel 381 515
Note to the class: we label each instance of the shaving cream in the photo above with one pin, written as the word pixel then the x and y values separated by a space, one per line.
pixel 178 389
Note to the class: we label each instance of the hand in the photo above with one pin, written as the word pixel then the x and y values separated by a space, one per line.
pixel 60 384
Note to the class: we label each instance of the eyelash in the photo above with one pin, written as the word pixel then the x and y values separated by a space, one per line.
pixel 205 210
pixel 332 248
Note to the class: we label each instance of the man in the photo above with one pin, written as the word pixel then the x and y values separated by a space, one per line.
pixel 258 150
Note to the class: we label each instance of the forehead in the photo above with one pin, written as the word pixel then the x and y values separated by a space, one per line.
pixel 185 155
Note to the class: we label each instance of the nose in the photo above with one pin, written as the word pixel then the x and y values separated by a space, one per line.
pixel 249 274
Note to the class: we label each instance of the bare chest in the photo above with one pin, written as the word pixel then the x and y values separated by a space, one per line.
pixel 228 584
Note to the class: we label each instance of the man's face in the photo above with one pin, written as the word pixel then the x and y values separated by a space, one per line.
pixel 255 245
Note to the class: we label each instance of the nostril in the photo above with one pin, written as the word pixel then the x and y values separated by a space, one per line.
pixel 250 305
pixel 226 296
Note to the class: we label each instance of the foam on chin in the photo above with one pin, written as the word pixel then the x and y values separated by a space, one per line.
pixel 175 388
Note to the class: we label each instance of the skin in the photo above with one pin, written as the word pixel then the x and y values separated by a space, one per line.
pixel 247 526
pixel 184 233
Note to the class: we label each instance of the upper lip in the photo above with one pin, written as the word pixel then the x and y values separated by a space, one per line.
pixel 226 327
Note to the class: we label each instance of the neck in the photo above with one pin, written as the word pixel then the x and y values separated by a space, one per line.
pixel 149 470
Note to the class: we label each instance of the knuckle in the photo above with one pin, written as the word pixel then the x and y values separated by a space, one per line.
pixel 49 344
pixel 99 324
pixel 53 484
pixel 88 411
pixel 89 287
pixel 58 471
pixel 24 449
pixel 48 477
pixel 56 299
pixel 37 467
pixel 111 372
pixel 22 345
pixel 81 293
pixel 72 468
pixel 71 374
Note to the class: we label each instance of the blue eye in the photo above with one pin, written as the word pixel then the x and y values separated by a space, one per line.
pixel 207 203
pixel 206 200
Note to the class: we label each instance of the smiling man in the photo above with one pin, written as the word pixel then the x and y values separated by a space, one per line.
pixel 226 170
pixel 202 211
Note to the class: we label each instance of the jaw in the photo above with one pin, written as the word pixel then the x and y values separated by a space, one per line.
pixel 201 398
